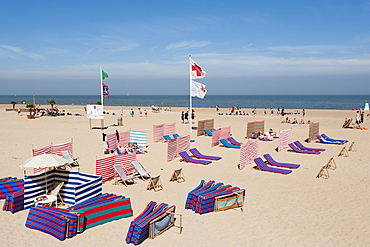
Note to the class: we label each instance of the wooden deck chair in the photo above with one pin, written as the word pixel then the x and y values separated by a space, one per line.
pixel 343 152
pixel 178 176
pixel 331 164
pixel 163 223
pixel 323 173
pixel 155 184
pixel 140 169
pixel 56 187
pixel 352 147
pixel 122 175
pixel 71 161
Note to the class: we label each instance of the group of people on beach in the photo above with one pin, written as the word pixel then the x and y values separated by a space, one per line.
pixel 185 116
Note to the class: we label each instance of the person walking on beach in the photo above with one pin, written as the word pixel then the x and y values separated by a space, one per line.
pixel 303 112
pixel 121 110
pixel 186 116
pixel 132 112
pixel 145 113
pixel 19 111
pixel 140 112
pixel 182 117
pixel 192 115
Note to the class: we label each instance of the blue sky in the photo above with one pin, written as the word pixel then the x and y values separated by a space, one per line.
pixel 246 47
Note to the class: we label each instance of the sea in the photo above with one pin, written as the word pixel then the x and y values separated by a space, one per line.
pixel 337 102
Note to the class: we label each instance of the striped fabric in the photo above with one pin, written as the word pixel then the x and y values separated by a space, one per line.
pixel 217 135
pixel 139 227
pixel 225 133
pixel 158 132
pixel 285 137
pixel 252 150
pixel 104 168
pixel 125 160
pixel 204 125
pixel 124 138
pixel 140 137
pixel 52 149
pixel 175 146
pixel 78 186
pixel 200 128
pixel 313 131
pixel 102 209
pixel 171 149
pixel 10 186
pixel 112 141
pixel 44 150
pixel 48 222
pixel 202 198
pixel 163 129
pixel 229 201
pixel 56 149
pixel 14 202
pixel 169 129
pixel 183 144
pixel 253 127
pixel 243 155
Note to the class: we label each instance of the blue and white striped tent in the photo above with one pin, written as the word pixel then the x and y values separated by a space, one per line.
pixel 140 137
pixel 78 186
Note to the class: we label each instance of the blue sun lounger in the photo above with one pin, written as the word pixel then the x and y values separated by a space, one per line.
pixel 323 140
pixel 227 144
pixel 175 135
pixel 167 137
pixel 208 132
pixel 332 140
pixel 300 145
pixel 186 157
pixel 272 162
pixel 261 165
pixel 302 151
pixel 198 155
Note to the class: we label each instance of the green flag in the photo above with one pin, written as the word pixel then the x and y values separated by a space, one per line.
pixel 104 74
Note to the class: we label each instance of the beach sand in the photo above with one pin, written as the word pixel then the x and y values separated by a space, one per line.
pixel 280 210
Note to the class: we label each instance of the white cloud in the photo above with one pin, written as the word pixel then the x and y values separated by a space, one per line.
pixel 188 44
pixel 13 50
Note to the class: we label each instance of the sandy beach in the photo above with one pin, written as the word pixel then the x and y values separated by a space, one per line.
pixel 280 210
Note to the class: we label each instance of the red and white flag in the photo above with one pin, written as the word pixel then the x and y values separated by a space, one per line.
pixel 198 89
pixel 196 70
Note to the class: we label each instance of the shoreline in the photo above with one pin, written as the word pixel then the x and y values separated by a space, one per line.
pixel 296 209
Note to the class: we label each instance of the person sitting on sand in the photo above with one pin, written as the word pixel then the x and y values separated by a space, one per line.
pixel 294 121
pixel 271 133
pixel 301 122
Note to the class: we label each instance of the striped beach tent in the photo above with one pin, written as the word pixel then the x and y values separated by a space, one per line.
pixel 78 186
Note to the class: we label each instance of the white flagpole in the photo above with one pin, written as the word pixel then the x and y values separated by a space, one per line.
pixel 190 100
pixel 101 85
pixel 101 96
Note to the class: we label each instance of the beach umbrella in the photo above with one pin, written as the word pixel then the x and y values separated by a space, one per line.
pixel 43 161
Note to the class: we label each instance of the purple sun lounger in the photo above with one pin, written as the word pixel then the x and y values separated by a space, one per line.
pixel 198 155
pixel 300 145
pixel 302 151
pixel 272 162
pixel 189 159
pixel 233 141
pixel 261 165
